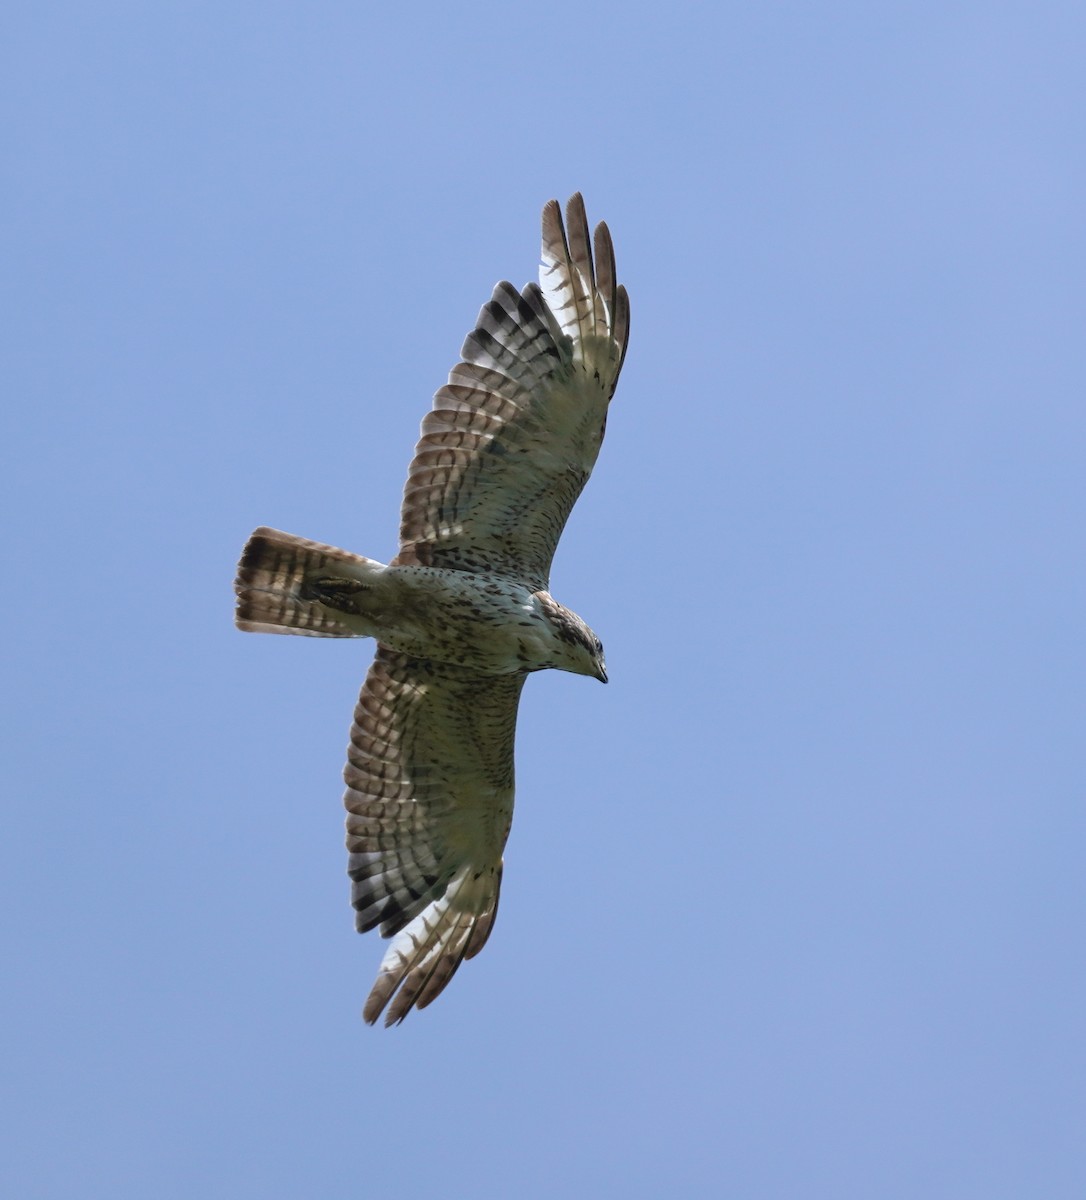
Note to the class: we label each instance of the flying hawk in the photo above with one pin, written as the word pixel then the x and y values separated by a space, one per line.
pixel 462 614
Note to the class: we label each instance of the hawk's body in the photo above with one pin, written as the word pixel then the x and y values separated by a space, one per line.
pixel 462 614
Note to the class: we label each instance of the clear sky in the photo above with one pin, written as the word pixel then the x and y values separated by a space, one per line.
pixel 794 907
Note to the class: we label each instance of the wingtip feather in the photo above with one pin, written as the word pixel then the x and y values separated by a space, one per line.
pixel 577 277
pixel 424 956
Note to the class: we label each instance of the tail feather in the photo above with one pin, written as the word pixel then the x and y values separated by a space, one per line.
pixel 270 585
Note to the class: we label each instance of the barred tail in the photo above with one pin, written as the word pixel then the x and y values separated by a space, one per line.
pixel 271 584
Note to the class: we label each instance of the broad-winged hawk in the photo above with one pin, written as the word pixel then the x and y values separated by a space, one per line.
pixel 463 612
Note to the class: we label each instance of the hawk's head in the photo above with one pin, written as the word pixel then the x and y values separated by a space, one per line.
pixel 574 647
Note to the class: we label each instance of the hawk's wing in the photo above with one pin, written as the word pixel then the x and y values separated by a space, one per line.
pixel 429 801
pixel 514 434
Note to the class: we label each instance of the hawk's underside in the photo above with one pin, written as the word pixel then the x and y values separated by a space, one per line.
pixel 463 613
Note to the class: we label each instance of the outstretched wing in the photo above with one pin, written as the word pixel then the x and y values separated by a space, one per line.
pixel 514 434
pixel 429 802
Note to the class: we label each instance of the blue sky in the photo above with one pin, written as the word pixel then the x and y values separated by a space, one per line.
pixel 794 906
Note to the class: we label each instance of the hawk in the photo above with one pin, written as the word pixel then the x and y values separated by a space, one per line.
pixel 463 613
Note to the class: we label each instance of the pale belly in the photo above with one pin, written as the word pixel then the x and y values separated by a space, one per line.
pixel 490 624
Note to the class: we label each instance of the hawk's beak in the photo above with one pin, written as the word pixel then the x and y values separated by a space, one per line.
pixel 601 672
